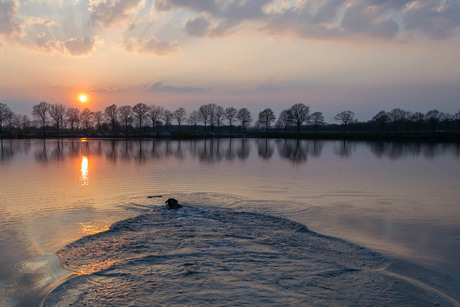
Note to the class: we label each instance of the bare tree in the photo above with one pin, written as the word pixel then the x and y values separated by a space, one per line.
pixel 85 118
pixel 447 120
pixel 346 117
pixel 433 117
pixel 140 111
pixel 57 112
pixel 457 118
pixel 10 120
pixel 111 113
pixel 73 116
pixel 397 116
pixel 299 113
pixel 230 115
pixel 126 115
pixel 98 118
pixel 168 117
pixel 317 119
pixel 40 111
pixel 155 114
pixel 285 119
pixel 244 116
pixel 205 115
pixel 219 116
pixel 417 119
pixel 266 118
pixel 180 115
pixel 4 110
pixel 193 119
pixel 24 122
pixel 381 118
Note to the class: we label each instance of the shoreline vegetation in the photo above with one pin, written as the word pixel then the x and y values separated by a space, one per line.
pixel 213 121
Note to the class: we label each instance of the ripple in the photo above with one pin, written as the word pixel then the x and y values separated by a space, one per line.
pixel 210 256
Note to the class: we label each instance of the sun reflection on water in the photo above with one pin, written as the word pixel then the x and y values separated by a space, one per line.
pixel 84 171
pixel 91 229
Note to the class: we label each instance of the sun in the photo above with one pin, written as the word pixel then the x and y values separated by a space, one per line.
pixel 83 98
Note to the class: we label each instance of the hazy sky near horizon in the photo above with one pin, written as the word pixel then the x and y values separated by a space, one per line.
pixel 332 55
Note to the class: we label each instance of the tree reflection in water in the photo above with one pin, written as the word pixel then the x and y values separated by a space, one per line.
pixel 214 150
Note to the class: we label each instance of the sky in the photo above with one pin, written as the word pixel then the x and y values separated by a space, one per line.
pixel 332 55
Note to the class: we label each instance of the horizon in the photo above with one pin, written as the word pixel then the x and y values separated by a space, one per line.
pixel 330 55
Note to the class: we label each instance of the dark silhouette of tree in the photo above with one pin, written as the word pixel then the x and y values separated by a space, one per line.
pixel 205 114
pixel 219 116
pixel 417 119
pixel 57 112
pixel 397 116
pixel 317 119
pixel 230 115
pixel 193 119
pixel 40 111
pixel 245 118
pixel 10 120
pixel 457 119
pixel 4 110
pixel 98 118
pixel 156 114
pixel 168 117
pixel 212 115
pixel 140 111
pixel 299 113
pixel 111 113
pixel 433 118
pixel 346 117
pixel 447 120
pixel 24 122
pixel 266 118
pixel 126 115
pixel 85 118
pixel 73 116
pixel 381 119
pixel 285 120
pixel 180 115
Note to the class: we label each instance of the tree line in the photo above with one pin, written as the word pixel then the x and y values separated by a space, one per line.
pixel 142 119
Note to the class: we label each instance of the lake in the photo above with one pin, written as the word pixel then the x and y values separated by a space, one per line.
pixel 398 199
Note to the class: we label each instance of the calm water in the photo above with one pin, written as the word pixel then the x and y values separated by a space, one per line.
pixel 399 199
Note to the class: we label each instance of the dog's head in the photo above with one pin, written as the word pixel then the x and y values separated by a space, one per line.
pixel 173 204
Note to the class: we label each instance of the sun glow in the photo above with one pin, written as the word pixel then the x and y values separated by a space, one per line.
pixel 83 98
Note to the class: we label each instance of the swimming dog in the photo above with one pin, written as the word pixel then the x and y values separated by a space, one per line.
pixel 173 204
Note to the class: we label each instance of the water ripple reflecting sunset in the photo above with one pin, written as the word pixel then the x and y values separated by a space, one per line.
pixel 84 171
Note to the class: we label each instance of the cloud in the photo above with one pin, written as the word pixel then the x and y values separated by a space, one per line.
pixel 436 19
pixel 9 25
pixel 101 90
pixel 195 5
pixel 33 20
pixel 151 45
pixel 329 19
pixel 80 46
pixel 197 26
pixel 362 19
pixel 160 87
pixel 108 13
pixel 74 46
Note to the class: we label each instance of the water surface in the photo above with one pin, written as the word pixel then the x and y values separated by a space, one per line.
pixel 399 199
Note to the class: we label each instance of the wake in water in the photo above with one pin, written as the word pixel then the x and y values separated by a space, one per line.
pixel 210 256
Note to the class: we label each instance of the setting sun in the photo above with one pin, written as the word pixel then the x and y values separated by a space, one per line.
pixel 83 98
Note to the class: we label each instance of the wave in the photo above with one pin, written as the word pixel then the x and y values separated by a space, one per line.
pixel 214 256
